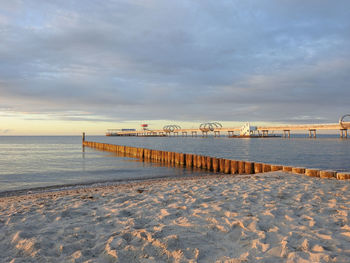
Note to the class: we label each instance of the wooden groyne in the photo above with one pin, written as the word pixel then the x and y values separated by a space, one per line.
pixel 208 163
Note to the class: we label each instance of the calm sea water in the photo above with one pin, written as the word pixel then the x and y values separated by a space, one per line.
pixel 30 162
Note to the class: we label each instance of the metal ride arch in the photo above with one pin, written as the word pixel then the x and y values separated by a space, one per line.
pixel 344 125
pixel 209 126
pixel 171 128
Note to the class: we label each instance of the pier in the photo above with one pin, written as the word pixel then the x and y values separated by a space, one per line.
pixel 247 130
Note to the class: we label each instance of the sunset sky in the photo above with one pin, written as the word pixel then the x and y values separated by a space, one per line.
pixel 73 66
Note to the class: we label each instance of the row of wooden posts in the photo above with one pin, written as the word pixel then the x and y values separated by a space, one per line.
pixel 208 163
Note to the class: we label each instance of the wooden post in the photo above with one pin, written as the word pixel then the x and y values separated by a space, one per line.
pixel 298 170
pixel 327 174
pixel 209 163
pixel 141 153
pixel 234 167
pixel 83 138
pixel 173 158
pixel 150 154
pixel 287 168
pixel 177 158
pixel 222 165
pixel 189 160
pixel 227 169
pixel 199 161
pixel 276 168
pixel 266 167
pixel 182 158
pixel 169 157
pixel 241 167
pixel 249 168
pixel 343 176
pixel 215 164
pixel 258 168
pixel 204 162
pixel 312 172
pixel 195 160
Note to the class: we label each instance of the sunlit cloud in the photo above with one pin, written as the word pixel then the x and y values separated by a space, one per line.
pixel 181 61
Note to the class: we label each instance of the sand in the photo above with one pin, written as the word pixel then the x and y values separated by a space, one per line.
pixel 272 217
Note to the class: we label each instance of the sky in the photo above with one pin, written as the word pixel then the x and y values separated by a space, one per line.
pixel 73 66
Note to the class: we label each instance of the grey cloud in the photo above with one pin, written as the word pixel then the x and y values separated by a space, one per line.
pixel 182 60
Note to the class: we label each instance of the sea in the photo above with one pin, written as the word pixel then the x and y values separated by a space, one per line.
pixel 30 163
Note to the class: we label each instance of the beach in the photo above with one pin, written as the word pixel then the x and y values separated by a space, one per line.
pixel 270 217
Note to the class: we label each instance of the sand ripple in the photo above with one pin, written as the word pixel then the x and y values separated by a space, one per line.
pixel 272 217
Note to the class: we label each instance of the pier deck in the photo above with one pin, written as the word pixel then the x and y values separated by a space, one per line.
pixel 262 130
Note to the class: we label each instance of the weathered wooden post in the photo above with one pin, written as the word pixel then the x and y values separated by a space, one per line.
pixel 83 138
pixel 199 161
pixel 287 168
pixel 241 167
pixel 343 176
pixel 328 174
pixel 182 160
pixel 222 165
pixel 227 169
pixel 189 160
pixel 298 170
pixel 177 158
pixel 215 162
pixel 276 168
pixel 266 167
pixel 249 167
pixel 312 172
pixel 209 163
pixel 195 157
pixel 169 158
pixel 142 153
pixel 234 167
pixel 204 162
pixel 258 168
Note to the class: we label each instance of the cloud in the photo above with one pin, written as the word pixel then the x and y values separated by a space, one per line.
pixel 182 60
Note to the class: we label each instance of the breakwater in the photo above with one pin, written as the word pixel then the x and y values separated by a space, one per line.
pixel 208 163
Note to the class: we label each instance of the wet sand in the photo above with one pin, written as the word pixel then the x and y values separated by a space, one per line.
pixel 271 217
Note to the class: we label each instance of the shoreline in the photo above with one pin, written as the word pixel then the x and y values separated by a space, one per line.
pixel 96 184
pixel 273 216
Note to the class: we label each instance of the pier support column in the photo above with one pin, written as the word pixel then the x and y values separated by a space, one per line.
pixel 286 133
pixel 344 133
pixel 194 133
pixel 184 134
pixel 83 137
pixel 265 133
pixel 312 133
pixel 216 133
pixel 230 133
